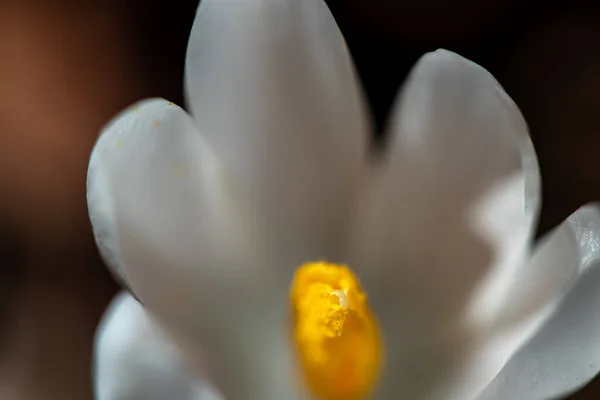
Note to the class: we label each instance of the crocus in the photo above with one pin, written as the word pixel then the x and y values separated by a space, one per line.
pixel 253 229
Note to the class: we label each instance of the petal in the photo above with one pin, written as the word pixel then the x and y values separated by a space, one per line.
pixel 134 359
pixel 449 215
pixel 191 250
pixel 564 354
pixel 161 194
pixel 272 86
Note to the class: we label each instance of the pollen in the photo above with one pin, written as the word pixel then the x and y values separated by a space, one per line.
pixel 336 336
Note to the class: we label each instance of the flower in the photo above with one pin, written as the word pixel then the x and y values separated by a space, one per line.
pixel 206 219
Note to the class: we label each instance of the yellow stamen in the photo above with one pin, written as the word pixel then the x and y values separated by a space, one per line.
pixel 336 336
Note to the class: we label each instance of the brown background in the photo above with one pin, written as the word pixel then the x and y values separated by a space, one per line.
pixel 66 67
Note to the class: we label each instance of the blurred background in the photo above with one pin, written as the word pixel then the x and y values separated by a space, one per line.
pixel 66 67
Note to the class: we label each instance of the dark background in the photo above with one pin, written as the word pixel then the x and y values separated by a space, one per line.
pixel 66 67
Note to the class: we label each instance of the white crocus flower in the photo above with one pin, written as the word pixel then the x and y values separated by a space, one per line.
pixel 207 217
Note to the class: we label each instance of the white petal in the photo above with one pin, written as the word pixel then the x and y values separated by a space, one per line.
pixel 191 251
pixel 134 359
pixel 564 354
pixel 163 194
pixel 272 86
pixel 451 214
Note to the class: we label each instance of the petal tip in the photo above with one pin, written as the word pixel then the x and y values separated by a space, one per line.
pixel 445 59
pixel 442 56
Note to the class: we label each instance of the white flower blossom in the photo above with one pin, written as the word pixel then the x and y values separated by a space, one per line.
pixel 206 216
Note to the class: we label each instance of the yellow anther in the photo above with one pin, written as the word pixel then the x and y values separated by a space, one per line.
pixel 335 334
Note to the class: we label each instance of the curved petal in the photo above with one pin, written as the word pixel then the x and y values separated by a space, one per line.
pixel 564 354
pixel 154 185
pixel 272 86
pixel 191 250
pixel 134 359
pixel 449 216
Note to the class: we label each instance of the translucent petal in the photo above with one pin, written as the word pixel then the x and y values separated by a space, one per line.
pixel 272 86
pixel 192 251
pixel 448 217
pixel 564 354
pixel 134 359
pixel 166 199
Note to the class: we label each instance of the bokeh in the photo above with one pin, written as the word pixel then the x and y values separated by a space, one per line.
pixel 67 67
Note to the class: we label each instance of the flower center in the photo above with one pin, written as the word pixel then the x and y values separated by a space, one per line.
pixel 336 336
